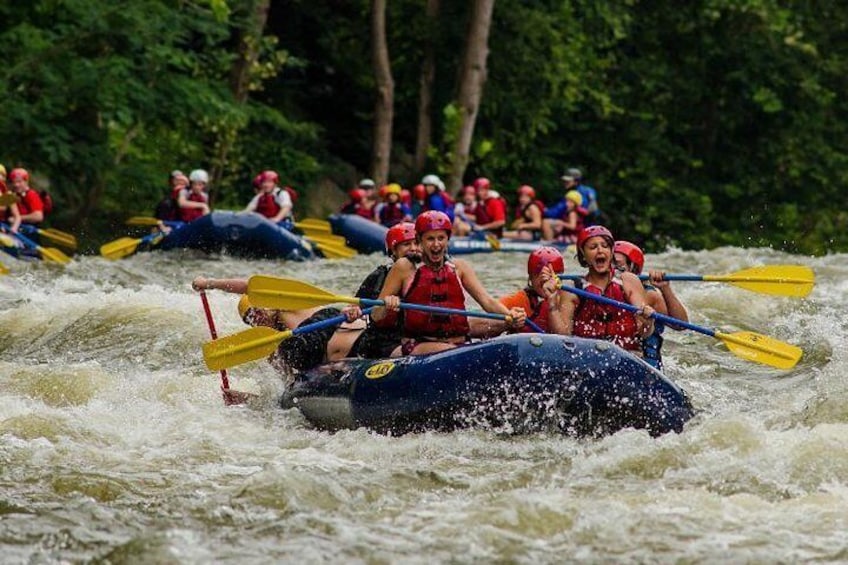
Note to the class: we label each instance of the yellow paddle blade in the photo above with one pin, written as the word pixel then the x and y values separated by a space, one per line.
pixel 60 238
pixel 289 294
pixel 314 224
pixel 242 347
pixel 310 232
pixel 330 239
pixel 331 251
pixel 780 280
pixel 4 270
pixel 494 242
pixel 333 246
pixel 53 254
pixel 8 198
pixel 762 349
pixel 142 221
pixel 119 248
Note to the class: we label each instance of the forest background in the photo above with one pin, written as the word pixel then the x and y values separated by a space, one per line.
pixel 701 123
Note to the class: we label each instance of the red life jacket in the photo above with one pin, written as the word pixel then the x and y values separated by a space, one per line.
pixel 190 214
pixel 364 211
pixel 29 202
pixel 571 235
pixel 267 204
pixel 435 287
pixel 600 321
pixel 484 217
pixel 391 214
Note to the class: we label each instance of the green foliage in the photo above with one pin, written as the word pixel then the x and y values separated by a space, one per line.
pixel 705 123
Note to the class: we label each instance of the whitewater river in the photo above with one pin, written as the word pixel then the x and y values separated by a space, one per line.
pixel 115 445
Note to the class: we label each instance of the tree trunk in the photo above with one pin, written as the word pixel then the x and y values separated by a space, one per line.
pixel 384 106
pixel 247 53
pixel 472 78
pixel 425 94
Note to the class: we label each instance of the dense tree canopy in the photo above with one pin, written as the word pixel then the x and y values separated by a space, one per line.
pixel 704 123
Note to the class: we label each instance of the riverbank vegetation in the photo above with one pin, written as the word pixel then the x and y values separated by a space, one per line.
pixel 701 124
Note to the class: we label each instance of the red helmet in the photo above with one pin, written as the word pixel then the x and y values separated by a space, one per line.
pixel 16 174
pixel 432 220
pixel 356 194
pixel 270 175
pixel 632 252
pixel 257 181
pixel 526 189
pixel 481 184
pixel 593 231
pixel 469 191
pixel 405 196
pixel 419 192
pixel 399 233
pixel 542 257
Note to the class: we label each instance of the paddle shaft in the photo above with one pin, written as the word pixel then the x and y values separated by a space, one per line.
pixel 329 322
pixel 710 278
pixel 225 382
pixel 27 241
pixel 631 308
pixel 452 311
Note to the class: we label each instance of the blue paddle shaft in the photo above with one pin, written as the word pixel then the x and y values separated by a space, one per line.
pixel 644 277
pixel 329 322
pixel 23 239
pixel 452 311
pixel 634 309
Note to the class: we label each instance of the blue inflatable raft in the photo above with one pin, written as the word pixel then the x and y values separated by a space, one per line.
pixel 520 383
pixel 370 237
pixel 241 234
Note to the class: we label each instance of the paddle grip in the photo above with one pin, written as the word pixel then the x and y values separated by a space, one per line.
pixel 631 308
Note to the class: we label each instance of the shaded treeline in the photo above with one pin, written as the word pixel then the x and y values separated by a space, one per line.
pixel 701 123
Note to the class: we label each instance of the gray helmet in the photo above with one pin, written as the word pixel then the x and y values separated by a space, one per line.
pixel 432 179
pixel 576 173
pixel 199 175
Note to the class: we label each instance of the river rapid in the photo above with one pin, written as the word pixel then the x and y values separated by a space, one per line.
pixel 116 447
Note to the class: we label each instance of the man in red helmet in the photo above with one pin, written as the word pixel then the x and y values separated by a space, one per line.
pixel 629 258
pixel 382 337
pixel 541 299
pixel 358 204
pixel 490 214
pixel 435 281
pixel 528 215
pixel 593 319
pixel 271 201
pixel 30 205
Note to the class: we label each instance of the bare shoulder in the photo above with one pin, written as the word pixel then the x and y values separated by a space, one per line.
pixel 461 264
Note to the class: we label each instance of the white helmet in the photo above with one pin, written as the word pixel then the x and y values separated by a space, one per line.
pixel 199 175
pixel 367 184
pixel 434 180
